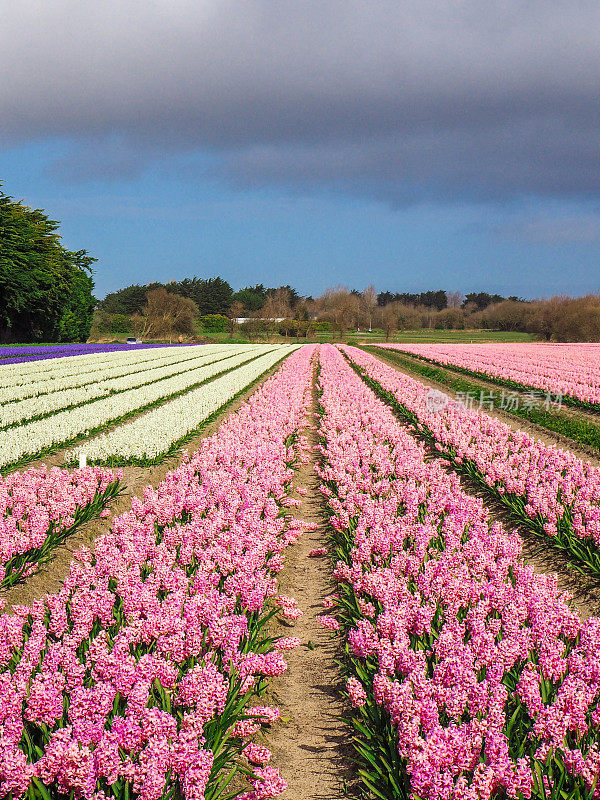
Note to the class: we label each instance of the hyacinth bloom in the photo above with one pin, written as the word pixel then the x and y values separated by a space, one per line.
pixel 553 491
pixel 18 355
pixel 490 679
pixel 567 370
pixel 38 507
pixel 123 677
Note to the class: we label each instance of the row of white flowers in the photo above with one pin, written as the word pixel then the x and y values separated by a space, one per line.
pixel 22 410
pixel 65 365
pixel 32 437
pixel 152 434
pixel 17 384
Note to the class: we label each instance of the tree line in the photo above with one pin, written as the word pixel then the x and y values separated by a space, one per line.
pixel 45 289
pixel 46 294
pixel 178 307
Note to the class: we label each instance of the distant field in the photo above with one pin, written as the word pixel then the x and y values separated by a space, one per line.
pixel 402 336
pixel 447 336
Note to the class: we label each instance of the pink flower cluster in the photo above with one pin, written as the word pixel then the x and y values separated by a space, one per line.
pixel 553 485
pixel 121 678
pixel 37 502
pixel 289 607
pixel 567 369
pixel 490 679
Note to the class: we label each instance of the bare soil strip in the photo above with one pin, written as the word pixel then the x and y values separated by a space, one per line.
pixel 51 575
pixel 585 589
pixel 310 743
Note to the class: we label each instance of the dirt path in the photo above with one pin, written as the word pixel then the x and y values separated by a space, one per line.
pixel 585 589
pixel 51 575
pixel 310 744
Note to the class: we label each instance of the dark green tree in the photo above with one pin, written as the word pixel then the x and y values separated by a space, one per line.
pixel 481 300
pixel 252 298
pixel 129 300
pixel 45 290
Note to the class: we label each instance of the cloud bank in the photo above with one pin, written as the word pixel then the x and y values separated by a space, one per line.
pixel 402 100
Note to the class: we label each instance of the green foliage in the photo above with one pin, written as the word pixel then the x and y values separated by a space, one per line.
pixel 293 327
pixel 217 323
pixel 45 290
pixel 120 323
pixel 212 296
pixel 129 300
pixel 437 299
pixel 252 298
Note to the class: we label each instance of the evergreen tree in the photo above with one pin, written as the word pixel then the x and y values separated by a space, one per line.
pixel 45 290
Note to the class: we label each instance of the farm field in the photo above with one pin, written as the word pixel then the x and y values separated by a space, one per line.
pixel 571 371
pixel 541 412
pixel 329 550
pixel 55 406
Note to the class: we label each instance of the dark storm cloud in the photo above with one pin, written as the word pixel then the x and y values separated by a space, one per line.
pixel 396 100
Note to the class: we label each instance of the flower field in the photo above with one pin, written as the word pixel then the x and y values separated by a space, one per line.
pixel 153 434
pixel 25 355
pixel 490 683
pixel 553 492
pixel 569 370
pixel 134 679
pixel 48 419
pixel 41 508
pixel 152 672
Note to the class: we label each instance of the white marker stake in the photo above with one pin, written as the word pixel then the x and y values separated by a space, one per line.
pixel 82 460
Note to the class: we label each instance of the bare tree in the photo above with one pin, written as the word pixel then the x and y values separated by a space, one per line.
pixel 340 307
pixel 387 317
pixel 166 315
pixel 455 299
pixel 368 304
pixel 235 312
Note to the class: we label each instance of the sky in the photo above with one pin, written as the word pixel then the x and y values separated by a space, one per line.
pixel 408 144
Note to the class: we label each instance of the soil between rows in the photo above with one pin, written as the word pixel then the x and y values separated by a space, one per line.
pixel 310 743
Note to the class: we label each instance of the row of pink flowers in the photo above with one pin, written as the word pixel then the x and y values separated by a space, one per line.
pixel 558 486
pixel 560 369
pixel 490 679
pixel 37 502
pixel 123 683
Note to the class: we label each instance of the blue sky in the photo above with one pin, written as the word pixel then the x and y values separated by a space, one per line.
pixel 413 148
